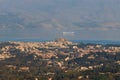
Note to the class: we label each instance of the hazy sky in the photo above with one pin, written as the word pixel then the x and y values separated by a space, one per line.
pixel 49 19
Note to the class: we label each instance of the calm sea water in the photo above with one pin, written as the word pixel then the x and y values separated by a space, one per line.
pixel 76 41
pixel 97 41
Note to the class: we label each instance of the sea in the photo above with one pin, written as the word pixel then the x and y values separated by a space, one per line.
pixel 104 42
pixel 76 41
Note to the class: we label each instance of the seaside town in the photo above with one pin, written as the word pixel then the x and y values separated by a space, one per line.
pixel 59 60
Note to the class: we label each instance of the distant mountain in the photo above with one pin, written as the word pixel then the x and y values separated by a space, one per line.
pixel 51 18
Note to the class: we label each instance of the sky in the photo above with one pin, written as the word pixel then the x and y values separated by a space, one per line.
pixel 50 19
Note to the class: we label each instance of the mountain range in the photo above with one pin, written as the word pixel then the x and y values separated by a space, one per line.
pixel 48 19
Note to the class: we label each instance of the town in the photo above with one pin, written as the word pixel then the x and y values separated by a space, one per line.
pixel 59 60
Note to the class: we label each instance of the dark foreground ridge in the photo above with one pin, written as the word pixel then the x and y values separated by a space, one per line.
pixel 59 60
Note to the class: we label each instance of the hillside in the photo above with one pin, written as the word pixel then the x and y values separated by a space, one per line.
pixel 59 60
